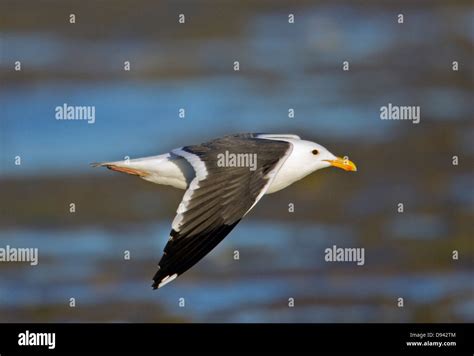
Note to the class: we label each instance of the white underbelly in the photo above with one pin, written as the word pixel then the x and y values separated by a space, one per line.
pixel 282 180
pixel 169 169
pixel 291 172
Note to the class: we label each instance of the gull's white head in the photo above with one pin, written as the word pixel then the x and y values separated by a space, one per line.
pixel 306 158
pixel 318 157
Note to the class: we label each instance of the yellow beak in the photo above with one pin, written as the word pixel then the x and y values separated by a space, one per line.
pixel 343 163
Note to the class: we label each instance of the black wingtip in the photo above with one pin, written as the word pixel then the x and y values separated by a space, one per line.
pixel 156 279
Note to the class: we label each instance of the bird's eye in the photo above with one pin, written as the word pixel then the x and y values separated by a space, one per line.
pixel 315 152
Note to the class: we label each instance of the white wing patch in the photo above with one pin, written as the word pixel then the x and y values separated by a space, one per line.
pixel 167 280
pixel 201 174
pixel 279 136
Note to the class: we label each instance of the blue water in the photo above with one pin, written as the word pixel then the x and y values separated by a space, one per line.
pixel 137 115
pixel 290 264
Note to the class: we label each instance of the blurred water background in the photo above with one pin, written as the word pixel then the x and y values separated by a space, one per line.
pixel 282 66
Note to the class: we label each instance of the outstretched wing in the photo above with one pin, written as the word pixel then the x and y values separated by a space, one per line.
pixel 221 193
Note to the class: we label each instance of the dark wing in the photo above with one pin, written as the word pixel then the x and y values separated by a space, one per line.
pixel 217 198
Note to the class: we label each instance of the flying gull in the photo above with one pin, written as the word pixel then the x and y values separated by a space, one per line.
pixel 224 179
